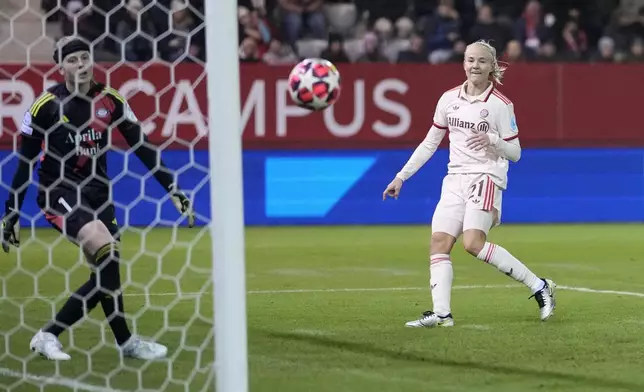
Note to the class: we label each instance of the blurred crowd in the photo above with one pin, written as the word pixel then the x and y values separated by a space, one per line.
pixel 394 31
pixel 437 31
pixel 134 30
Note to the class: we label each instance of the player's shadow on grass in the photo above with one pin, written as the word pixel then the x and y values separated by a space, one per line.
pixel 362 348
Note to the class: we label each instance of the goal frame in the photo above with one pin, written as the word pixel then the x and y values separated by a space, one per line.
pixel 226 195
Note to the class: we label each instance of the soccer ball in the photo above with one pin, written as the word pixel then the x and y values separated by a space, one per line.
pixel 314 84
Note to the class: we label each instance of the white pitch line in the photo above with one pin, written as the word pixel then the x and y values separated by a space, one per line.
pixel 465 287
pixel 595 291
pixel 56 380
pixel 182 295
pixel 364 290
pixel 188 295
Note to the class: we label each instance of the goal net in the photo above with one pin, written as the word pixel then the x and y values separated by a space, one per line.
pixel 151 52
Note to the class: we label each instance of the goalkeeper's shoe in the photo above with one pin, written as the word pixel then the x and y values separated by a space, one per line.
pixel 430 320
pixel 546 299
pixel 138 348
pixel 48 346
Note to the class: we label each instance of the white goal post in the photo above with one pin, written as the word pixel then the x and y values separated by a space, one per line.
pixel 227 227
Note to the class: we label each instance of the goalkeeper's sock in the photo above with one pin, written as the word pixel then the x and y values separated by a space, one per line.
pixel 74 308
pixel 510 265
pixel 114 312
pixel 440 282
pixel 107 258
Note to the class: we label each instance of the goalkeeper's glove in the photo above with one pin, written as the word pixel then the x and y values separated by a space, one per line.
pixel 10 228
pixel 183 205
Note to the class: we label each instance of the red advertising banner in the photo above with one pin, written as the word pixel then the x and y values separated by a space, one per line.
pixel 381 106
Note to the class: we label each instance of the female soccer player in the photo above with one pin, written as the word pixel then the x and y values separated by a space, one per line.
pixel 72 123
pixel 483 137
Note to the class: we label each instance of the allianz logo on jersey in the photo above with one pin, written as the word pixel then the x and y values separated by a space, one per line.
pixel 458 123
pixel 85 142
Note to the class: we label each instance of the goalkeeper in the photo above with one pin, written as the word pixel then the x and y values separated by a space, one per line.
pixel 72 123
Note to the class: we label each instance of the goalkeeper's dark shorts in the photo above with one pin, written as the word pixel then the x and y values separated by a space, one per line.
pixel 69 210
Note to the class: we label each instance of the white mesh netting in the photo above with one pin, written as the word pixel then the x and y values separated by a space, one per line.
pixel 151 52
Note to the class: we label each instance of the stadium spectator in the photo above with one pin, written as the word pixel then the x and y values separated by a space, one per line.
pixel 181 43
pixel 458 52
pixel 636 53
pixel 51 9
pixel 575 41
pixel 77 17
pixel 626 23
pixel 547 53
pixel 254 24
pixel 531 28
pixel 389 43
pixel 248 52
pixel 605 51
pixel 513 52
pixel 636 29
pixel 297 13
pixel 334 51
pixel 133 29
pixel 487 28
pixel 586 22
pixel 371 52
pixel 88 21
pixel 416 52
pixel 278 54
pixel 630 11
pixel 441 32
pixel 404 27
pixel 376 9
pixel 547 30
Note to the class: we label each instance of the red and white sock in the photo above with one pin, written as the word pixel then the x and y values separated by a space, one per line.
pixel 510 265
pixel 440 281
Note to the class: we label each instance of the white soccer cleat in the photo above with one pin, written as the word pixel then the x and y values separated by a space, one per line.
pixel 48 346
pixel 546 299
pixel 143 349
pixel 430 320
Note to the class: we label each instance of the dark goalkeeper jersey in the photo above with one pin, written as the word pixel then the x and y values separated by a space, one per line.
pixel 74 133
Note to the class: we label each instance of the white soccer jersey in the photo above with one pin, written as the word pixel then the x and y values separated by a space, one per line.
pixel 462 116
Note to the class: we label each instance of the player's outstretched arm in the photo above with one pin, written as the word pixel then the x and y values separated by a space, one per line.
pixel 423 152
pixel 27 155
pixel 421 155
pixel 149 154
pixel 151 158
pixel 36 120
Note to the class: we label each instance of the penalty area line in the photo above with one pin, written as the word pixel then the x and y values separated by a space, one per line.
pixel 56 380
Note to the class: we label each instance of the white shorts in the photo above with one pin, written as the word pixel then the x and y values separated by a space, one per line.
pixel 468 201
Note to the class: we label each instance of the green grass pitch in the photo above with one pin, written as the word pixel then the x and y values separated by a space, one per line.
pixel 327 307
